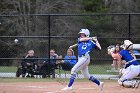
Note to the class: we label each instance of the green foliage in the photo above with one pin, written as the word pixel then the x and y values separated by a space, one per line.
pixel 96 6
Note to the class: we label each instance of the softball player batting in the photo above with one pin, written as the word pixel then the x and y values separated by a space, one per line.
pixel 85 44
pixel 132 67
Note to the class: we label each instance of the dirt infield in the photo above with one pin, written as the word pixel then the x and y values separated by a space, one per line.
pixel 55 87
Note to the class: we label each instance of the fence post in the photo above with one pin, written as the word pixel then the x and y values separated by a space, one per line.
pixel 129 26
pixel 49 40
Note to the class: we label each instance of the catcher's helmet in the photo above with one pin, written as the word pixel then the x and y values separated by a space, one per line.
pixel 85 31
pixel 127 45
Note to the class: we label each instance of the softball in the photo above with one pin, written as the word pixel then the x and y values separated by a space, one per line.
pixel 16 40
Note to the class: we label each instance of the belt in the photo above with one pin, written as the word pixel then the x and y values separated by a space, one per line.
pixel 128 63
pixel 86 54
pixel 81 55
pixel 131 61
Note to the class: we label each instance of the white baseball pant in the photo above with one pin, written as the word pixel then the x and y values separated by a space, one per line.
pixel 82 65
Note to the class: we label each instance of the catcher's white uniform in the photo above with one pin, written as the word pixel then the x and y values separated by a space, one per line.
pixel 132 67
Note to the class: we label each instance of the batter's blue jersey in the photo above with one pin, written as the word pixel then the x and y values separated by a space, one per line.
pixel 126 55
pixel 85 47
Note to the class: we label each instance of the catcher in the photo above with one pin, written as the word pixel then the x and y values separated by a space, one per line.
pixel 132 67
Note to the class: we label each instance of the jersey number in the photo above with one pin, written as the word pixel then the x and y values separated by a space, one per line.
pixel 84 46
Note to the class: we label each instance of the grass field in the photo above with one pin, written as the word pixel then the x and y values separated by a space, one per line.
pixel 93 69
pixel 99 69
pixel 8 80
pixel 27 80
pixel 4 69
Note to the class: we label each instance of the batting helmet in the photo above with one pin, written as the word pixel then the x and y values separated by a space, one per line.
pixel 85 31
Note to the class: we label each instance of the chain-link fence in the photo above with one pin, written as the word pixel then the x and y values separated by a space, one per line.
pixel 42 32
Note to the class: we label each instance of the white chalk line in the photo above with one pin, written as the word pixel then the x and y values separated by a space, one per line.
pixel 34 87
pixel 86 88
pixel 54 92
pixel 21 86
pixel 71 90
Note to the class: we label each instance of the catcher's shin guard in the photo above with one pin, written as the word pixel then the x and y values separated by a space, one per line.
pixel 129 83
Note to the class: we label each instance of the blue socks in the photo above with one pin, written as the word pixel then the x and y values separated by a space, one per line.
pixel 73 76
pixel 71 81
pixel 93 79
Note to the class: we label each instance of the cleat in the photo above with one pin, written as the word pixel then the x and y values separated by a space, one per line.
pixel 67 88
pixel 101 85
pixel 137 84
